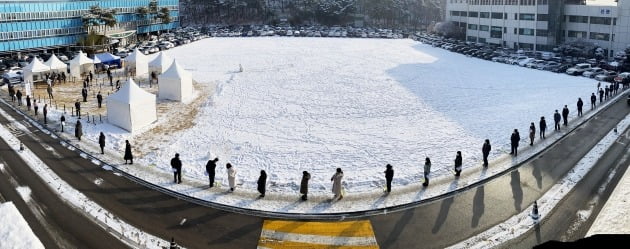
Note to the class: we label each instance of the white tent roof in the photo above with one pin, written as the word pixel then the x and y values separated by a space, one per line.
pixel 81 59
pixel 55 63
pixel 130 93
pixel 136 56
pixel 162 61
pixel 176 72
pixel 36 66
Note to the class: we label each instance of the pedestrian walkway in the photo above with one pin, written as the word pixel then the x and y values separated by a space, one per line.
pixel 278 234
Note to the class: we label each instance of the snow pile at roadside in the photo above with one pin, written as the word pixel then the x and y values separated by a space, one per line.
pixel 14 231
pixel 116 226
pixel 521 223
pixel 614 218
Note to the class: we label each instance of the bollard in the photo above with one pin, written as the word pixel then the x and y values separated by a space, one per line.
pixel 93 120
pixel 71 111
pixel 100 118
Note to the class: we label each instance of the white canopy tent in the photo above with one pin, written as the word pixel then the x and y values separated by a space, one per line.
pixel 32 68
pixel 160 63
pixel 175 84
pixel 138 62
pixel 131 108
pixel 81 64
pixel 56 64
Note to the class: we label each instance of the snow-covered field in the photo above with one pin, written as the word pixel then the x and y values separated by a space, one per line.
pixel 15 232
pixel 318 104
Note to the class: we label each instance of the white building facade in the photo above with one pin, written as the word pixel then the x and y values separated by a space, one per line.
pixel 543 24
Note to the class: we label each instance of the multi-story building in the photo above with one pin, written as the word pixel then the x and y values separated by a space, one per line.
pixel 543 24
pixel 40 24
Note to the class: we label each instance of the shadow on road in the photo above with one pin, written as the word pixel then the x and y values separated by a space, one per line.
pixel 478 206
pixel 441 218
pixel 517 191
pixel 398 229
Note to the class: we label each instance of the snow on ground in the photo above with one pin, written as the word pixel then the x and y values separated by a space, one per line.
pixel 15 232
pixel 128 233
pixel 521 223
pixel 614 218
pixel 358 104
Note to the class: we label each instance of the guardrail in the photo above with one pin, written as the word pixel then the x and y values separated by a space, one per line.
pixel 307 216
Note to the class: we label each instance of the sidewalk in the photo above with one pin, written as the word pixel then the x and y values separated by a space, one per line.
pixel 319 200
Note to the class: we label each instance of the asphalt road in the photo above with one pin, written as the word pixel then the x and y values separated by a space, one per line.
pixel 432 225
pixel 54 222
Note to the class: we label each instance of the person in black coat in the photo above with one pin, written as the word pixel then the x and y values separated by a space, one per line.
pixel 12 93
pixel 543 127
pixel 84 93
pixel 35 107
pixel 77 106
pixel 78 130
pixel 389 176
pixel 101 142
pixel 557 118
pixel 606 93
pixel 28 102
pixel 176 164
pixel 593 101
pixel 565 115
pixel 18 95
pixel 262 182
pixel 91 76
pixel 579 107
pixel 515 139
pixel 128 156
pixel 210 169
pixel 45 111
pixel 601 95
pixel 304 185
pixel 63 121
pixel 458 163
pixel 99 99
pixel 485 149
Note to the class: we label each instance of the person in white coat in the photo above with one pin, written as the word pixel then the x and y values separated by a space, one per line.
pixel 336 179
pixel 231 176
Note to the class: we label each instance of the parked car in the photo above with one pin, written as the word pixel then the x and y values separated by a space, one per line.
pixel 560 69
pixel 607 76
pixel 578 69
pixel 533 63
pixel 591 73
pixel 549 64
pixel 11 77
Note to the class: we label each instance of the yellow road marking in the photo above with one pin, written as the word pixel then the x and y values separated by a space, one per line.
pixel 344 229
pixel 274 244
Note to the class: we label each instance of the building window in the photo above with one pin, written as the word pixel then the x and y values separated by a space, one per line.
pixel 472 26
pixel 484 28
pixel 484 14
pixel 599 36
pixel 497 15
pixel 576 34
pixel 542 17
pixel 522 31
pixel 473 14
pixel 600 20
pixel 527 17
pixel 471 38
pixel 578 19
pixel 541 32
pixel 495 32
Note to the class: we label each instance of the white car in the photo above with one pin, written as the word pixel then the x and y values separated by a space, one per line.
pixel 534 63
pixel 591 73
pixel 526 62
pixel 578 69
pixel 606 76
pixel 516 59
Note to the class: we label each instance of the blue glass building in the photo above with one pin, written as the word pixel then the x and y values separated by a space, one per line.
pixel 35 24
